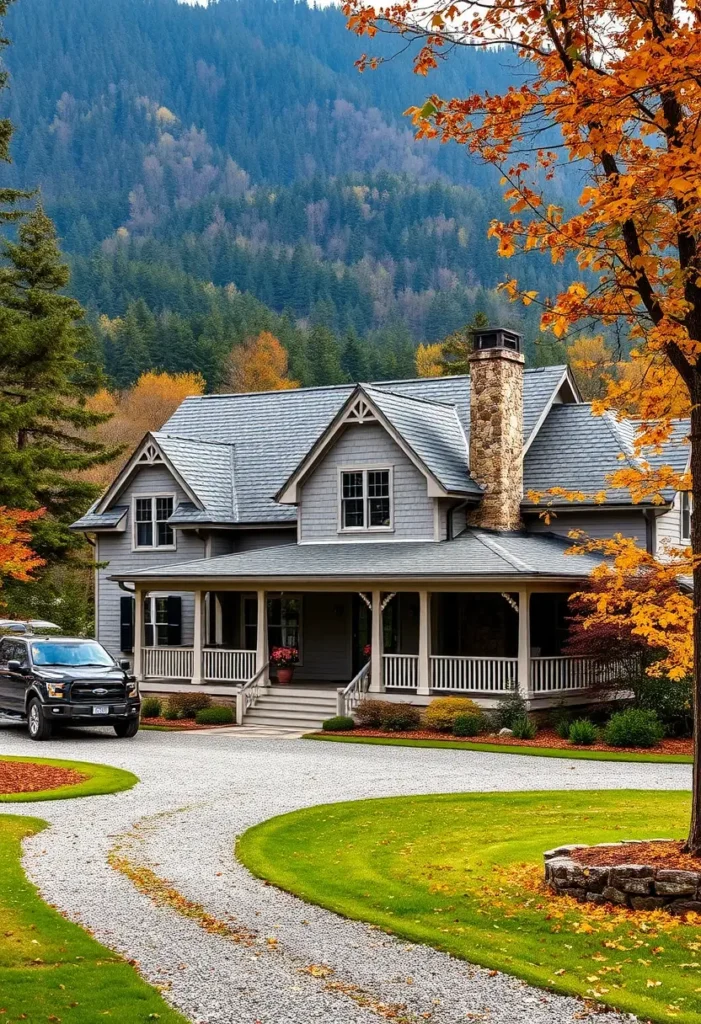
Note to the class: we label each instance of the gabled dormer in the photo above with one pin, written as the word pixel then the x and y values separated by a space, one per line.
pixel 380 470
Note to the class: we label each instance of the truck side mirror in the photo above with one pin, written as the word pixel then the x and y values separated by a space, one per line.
pixel 16 668
pixel 125 664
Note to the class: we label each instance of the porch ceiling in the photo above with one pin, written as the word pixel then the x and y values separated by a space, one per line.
pixel 475 554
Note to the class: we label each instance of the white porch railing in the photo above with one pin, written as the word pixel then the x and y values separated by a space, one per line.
pixel 349 697
pixel 481 675
pixel 218 665
pixel 549 675
pixel 400 671
pixel 250 692
pixel 167 662
pixel 223 666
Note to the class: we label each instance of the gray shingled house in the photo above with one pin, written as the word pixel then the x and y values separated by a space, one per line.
pixel 391 517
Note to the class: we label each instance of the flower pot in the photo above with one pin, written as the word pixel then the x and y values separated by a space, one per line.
pixel 285 673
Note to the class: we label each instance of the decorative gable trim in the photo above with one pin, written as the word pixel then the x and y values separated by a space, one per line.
pixel 358 409
pixel 149 453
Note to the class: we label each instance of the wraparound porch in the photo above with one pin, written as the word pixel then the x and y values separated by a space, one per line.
pixel 473 641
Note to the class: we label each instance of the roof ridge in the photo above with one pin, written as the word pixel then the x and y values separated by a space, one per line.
pixel 195 440
pixel 409 398
pixel 489 542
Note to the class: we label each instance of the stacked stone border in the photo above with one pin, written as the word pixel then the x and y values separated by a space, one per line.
pixel 637 886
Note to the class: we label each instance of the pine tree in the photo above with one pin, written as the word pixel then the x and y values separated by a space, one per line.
pixel 457 346
pixel 8 196
pixel 354 358
pixel 324 355
pixel 44 380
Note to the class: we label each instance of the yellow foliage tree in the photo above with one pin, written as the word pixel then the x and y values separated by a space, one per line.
pixel 260 364
pixel 428 360
pixel 591 361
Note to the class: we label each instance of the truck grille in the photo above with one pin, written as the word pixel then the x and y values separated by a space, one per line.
pixel 86 692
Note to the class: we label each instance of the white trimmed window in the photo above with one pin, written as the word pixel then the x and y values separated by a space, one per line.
pixel 365 499
pixel 685 506
pixel 151 529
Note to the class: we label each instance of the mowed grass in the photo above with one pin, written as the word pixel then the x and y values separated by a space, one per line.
pixel 463 873
pixel 51 970
pixel 101 778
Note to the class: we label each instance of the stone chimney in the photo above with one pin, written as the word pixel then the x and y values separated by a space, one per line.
pixel 496 427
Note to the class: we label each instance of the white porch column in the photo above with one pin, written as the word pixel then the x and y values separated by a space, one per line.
pixel 138 634
pixel 262 636
pixel 198 640
pixel 377 681
pixel 524 642
pixel 424 681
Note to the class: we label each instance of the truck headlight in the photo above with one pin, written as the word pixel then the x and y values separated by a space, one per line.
pixel 55 689
pixel 132 688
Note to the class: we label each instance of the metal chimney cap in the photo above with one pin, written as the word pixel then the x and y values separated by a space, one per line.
pixel 497 337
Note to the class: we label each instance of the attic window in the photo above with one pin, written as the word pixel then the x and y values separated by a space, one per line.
pixel 151 529
pixel 365 499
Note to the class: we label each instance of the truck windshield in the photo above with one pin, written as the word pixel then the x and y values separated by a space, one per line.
pixel 70 654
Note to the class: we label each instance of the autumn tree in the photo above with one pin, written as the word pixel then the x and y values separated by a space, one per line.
pixel 17 559
pixel 591 361
pixel 615 85
pixel 457 347
pixel 428 360
pixel 260 364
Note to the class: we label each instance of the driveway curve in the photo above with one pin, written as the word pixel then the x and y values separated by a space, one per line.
pixel 261 956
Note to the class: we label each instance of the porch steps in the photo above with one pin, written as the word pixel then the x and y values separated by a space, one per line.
pixel 293 707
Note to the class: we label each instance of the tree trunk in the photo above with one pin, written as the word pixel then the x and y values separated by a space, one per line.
pixel 694 841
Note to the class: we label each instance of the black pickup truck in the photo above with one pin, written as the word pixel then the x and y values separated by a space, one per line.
pixel 54 681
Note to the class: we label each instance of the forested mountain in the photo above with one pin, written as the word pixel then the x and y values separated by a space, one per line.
pixel 219 170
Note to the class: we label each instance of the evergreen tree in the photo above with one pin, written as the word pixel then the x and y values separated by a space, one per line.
pixel 8 196
pixel 457 347
pixel 44 380
pixel 324 355
pixel 354 359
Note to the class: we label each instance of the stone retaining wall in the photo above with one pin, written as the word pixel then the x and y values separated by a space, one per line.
pixel 639 886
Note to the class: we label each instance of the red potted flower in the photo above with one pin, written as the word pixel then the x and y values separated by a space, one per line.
pixel 284 659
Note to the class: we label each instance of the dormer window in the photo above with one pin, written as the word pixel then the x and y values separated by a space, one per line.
pixel 686 506
pixel 151 529
pixel 365 499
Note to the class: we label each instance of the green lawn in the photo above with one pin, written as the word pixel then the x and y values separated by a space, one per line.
pixel 433 869
pixel 504 748
pixel 51 970
pixel 102 778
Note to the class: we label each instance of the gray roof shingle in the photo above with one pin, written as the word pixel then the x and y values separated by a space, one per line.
pixel 578 451
pixel 208 467
pixel 101 520
pixel 475 553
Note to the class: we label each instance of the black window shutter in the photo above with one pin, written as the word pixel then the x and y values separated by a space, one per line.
pixel 126 623
pixel 174 621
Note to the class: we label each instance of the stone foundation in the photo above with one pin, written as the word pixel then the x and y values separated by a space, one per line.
pixel 638 886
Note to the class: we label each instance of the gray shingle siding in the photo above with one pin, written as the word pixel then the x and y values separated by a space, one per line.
pixel 598 524
pixel 668 527
pixel 366 445
pixel 116 550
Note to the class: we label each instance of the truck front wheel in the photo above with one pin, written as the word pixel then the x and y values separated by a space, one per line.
pixel 39 727
pixel 125 730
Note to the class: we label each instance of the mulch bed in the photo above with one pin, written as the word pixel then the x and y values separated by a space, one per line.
pixel 544 738
pixel 26 777
pixel 184 724
pixel 669 855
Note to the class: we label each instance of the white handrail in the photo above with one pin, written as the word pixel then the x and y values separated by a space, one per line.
pixel 224 665
pixel 400 671
pixel 476 674
pixel 249 693
pixel 348 698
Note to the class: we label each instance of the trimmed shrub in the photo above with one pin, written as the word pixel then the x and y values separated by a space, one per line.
pixel 442 711
pixel 562 728
pixel 582 731
pixel 188 704
pixel 634 727
pixel 217 714
pixel 150 707
pixel 400 717
pixel 369 713
pixel 524 728
pixel 170 713
pixel 468 725
pixel 670 699
pixel 338 723
pixel 511 708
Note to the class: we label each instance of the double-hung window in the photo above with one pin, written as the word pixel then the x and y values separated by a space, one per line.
pixel 151 529
pixel 366 499
pixel 686 507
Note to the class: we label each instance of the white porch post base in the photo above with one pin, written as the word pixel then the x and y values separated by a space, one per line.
pixel 424 679
pixel 524 643
pixel 139 635
pixel 197 645
pixel 262 636
pixel 377 681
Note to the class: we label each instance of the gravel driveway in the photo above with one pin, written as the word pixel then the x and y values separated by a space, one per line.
pixel 197 793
